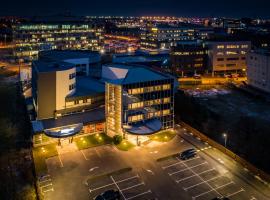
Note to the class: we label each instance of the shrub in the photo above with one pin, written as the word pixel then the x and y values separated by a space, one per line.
pixel 117 139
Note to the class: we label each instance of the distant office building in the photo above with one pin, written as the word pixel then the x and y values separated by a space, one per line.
pixel 31 38
pixel 228 56
pixel 258 69
pixel 138 100
pixel 164 36
pixel 189 58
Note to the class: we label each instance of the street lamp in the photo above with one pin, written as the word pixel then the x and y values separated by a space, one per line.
pixel 225 139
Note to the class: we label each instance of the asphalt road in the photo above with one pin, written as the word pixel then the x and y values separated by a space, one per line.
pixel 209 174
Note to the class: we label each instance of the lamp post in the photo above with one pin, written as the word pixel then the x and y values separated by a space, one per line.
pixel 225 139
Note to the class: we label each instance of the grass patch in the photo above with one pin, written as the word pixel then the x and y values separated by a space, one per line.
pixel 164 136
pixel 40 154
pixel 120 171
pixel 92 140
pixel 167 157
pixel 125 145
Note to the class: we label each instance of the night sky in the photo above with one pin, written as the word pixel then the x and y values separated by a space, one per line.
pixel 208 8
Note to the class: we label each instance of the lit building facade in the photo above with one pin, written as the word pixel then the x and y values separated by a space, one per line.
pixel 258 69
pixel 30 38
pixel 166 36
pixel 66 102
pixel 228 56
pixel 138 101
pixel 189 58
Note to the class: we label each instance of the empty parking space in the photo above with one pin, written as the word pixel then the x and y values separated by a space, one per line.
pixel 128 184
pixel 200 179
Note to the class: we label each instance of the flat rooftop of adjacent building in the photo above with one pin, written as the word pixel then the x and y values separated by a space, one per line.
pixel 68 54
pixel 93 116
pixel 50 66
pixel 136 59
pixel 127 74
pixel 86 86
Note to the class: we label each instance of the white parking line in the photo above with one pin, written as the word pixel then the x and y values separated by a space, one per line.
pixel 43 181
pixel 149 191
pixel 84 155
pixel 232 194
pixel 49 190
pixel 91 190
pixel 61 163
pixel 110 184
pixel 188 168
pixel 118 188
pixel 133 186
pixel 165 167
pixel 194 175
pixel 192 186
pixel 46 185
pixel 201 179
pixel 214 189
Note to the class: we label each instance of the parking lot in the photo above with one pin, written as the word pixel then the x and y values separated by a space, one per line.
pixel 129 184
pixel 84 174
pixel 201 180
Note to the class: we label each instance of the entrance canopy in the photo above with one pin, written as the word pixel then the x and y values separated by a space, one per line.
pixel 65 131
pixel 147 127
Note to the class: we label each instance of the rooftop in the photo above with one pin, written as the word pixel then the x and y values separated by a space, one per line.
pixel 68 54
pixel 50 66
pixel 127 74
pixel 86 86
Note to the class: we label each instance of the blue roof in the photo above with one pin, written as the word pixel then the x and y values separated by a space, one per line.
pixel 137 73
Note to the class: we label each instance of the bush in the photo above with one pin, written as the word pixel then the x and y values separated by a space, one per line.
pixel 117 139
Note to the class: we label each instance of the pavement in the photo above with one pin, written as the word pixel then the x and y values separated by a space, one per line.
pixel 80 174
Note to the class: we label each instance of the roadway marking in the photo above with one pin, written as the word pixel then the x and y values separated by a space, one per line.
pixel 149 191
pixel 97 152
pixel 50 184
pixel 201 179
pixel 232 194
pixel 91 190
pixel 43 181
pixel 139 184
pixel 165 167
pixel 192 186
pixel 49 190
pixel 61 163
pixel 195 175
pixel 93 168
pixel 213 189
pixel 187 168
pixel 84 155
pixel 118 188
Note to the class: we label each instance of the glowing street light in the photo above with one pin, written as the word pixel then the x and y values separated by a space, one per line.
pixel 225 139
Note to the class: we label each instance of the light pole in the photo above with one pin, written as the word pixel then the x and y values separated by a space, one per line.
pixel 225 139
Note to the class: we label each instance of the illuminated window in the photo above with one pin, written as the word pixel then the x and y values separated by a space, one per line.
pixel 166 112
pixel 220 46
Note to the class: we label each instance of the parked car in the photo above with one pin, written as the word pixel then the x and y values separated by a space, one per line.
pixel 189 153
pixel 109 195
pixel 197 76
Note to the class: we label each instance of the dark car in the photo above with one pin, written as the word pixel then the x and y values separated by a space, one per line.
pixel 109 195
pixel 189 153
